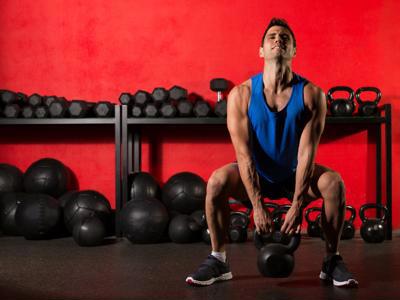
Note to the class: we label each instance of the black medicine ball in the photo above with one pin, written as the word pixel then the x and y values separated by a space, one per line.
pixel 11 178
pixel 89 231
pixel 9 203
pixel 144 186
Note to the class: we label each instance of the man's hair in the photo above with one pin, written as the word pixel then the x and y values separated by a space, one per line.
pixel 278 22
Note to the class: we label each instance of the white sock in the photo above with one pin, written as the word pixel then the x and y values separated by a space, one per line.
pixel 221 256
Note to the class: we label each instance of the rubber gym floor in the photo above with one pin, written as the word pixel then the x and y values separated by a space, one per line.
pixel 60 269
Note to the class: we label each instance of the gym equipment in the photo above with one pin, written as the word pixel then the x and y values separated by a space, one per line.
pixel 41 112
pixel 8 97
pixel 47 176
pixel 184 229
pixel 368 108
pixel 151 111
pixel 168 110
pixel 200 217
pixel 313 226
pixel 83 204
pixel 177 93
pixel 341 107
pixel 184 192
pixel 65 198
pixel 159 95
pixel 144 221
pixel 103 109
pixel 12 111
pixel 126 99
pixel 201 108
pixel 276 259
pixel 89 231
pixel 185 108
pixel 50 99
pixel 38 217
pixel 58 108
pixel 9 203
pixel 136 111
pixel 27 112
pixel 35 100
pixel 239 221
pixel 141 98
pixel 11 178
pixel 277 216
pixel 144 186
pixel 348 227
pixel 79 108
pixel 219 85
pixel 373 230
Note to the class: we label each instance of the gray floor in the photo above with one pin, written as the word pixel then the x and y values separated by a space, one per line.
pixel 59 269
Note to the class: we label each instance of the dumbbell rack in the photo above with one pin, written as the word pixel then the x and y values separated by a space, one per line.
pixel 131 147
pixel 115 121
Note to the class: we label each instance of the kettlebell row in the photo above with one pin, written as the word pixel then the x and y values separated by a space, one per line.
pixel 342 107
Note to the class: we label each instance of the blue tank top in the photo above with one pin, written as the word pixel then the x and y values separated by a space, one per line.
pixel 275 136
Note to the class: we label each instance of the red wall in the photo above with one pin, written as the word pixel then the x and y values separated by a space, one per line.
pixel 94 50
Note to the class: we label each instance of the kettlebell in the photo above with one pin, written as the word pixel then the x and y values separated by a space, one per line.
pixel 370 107
pixel 341 107
pixel 348 226
pixel 373 229
pixel 276 259
pixel 239 221
pixel 277 216
pixel 313 226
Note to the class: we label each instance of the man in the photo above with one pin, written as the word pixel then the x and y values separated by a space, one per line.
pixel 275 120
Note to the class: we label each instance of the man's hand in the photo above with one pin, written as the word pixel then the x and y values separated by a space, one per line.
pixel 293 220
pixel 262 220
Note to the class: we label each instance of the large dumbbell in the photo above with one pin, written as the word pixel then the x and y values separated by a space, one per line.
pixel 12 110
pixel 79 108
pixel 238 223
pixel 10 97
pixel 201 108
pixel 219 85
pixel 35 100
pixel 58 108
pixel 368 108
pixel 160 95
pixel 341 106
pixel 28 112
pixel 177 93
pixel 126 99
pixel 151 110
pixel 185 108
pixel 141 98
pixel 373 229
pixel 41 112
pixel 313 225
pixel 103 109
pixel 276 259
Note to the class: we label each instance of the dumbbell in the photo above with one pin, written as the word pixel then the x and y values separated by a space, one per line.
pixel 8 97
pixel 103 109
pixel 35 100
pixel 373 230
pixel 368 108
pixel 126 99
pixel 151 110
pixel 238 223
pixel 185 108
pixel 28 112
pixel 50 99
pixel 41 112
pixel 341 106
pixel 313 225
pixel 201 108
pixel 168 110
pixel 141 98
pixel 177 93
pixel 136 111
pixel 12 110
pixel 58 108
pixel 80 108
pixel 159 96
pixel 219 85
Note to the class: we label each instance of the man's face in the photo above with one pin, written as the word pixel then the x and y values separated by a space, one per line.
pixel 278 44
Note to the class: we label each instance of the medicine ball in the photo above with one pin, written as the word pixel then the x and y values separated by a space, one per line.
pixel 184 229
pixel 66 197
pixel 144 221
pixel 11 178
pixel 85 204
pixel 144 186
pixel 184 192
pixel 39 217
pixel 47 176
pixel 9 203
pixel 89 231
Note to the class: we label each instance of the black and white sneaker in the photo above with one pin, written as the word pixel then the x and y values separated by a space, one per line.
pixel 210 271
pixel 334 270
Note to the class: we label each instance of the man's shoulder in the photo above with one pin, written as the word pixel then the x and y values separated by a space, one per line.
pixel 312 94
pixel 241 91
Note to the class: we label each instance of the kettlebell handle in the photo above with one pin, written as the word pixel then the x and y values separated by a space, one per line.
pixel 368 89
pixel 342 88
pixel 310 210
pixel 376 206
pixel 353 213
pixel 242 215
pixel 274 206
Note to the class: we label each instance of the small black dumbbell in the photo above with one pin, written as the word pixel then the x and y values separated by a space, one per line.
pixel 151 111
pixel 12 110
pixel 41 112
pixel 8 97
pixel 137 111
pixel 126 99
pixel 219 85
pixel 177 93
pixel 202 108
pixel 35 100
pixel 168 110
pixel 160 96
pixel 104 109
pixel 141 98
pixel 28 112
pixel 80 109
pixel 58 108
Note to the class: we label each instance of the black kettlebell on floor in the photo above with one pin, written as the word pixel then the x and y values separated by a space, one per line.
pixel 276 259
pixel 239 221
pixel 348 226
pixel 373 229
pixel 370 107
pixel 313 226
pixel 340 106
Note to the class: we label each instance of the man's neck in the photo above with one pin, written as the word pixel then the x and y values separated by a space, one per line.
pixel 277 76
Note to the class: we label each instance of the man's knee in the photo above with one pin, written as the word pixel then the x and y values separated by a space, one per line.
pixel 217 184
pixel 332 186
